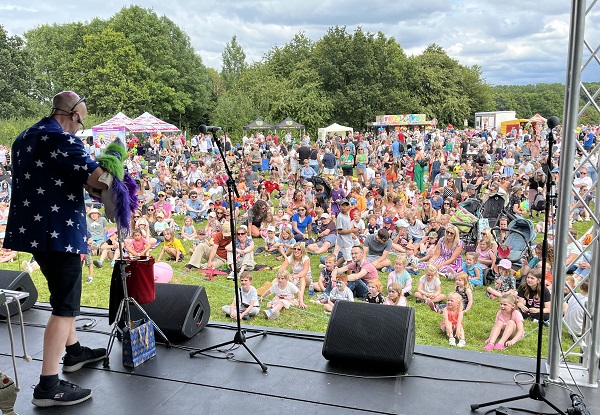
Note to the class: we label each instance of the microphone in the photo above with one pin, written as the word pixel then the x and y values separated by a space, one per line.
pixel 552 122
pixel 209 128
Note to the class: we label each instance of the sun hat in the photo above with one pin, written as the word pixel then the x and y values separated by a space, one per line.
pixel 111 231
pixel 93 210
pixel 505 263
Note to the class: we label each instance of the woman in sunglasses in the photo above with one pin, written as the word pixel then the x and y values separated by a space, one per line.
pixel 301 273
pixel 447 256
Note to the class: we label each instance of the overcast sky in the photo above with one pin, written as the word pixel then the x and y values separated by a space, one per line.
pixel 514 41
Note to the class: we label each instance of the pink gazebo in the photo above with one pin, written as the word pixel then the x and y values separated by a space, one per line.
pixel 149 123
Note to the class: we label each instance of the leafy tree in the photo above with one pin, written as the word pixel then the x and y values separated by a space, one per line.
pixel 234 63
pixel 16 86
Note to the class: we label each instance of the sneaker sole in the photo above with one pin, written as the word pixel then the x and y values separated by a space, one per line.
pixel 76 367
pixel 45 403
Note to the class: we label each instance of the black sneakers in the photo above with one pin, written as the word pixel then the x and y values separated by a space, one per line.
pixel 62 393
pixel 74 363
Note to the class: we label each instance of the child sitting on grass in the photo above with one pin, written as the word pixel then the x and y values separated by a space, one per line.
pixel 505 282
pixel 284 291
pixel 509 322
pixel 172 247
pixel 472 269
pixel 401 276
pixel 430 288
pixel 340 292
pixel 374 296
pixel 325 283
pixel 452 325
pixel 395 296
pixel 249 304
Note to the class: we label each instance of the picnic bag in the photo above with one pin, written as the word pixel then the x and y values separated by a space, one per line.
pixel 138 342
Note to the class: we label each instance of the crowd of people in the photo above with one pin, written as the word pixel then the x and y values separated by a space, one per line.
pixel 360 206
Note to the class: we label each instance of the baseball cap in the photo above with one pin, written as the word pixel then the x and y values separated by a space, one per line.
pixel 343 202
pixel 402 223
pixel 432 235
pixel 271 229
pixel 387 220
pixel 505 263
pixel 325 216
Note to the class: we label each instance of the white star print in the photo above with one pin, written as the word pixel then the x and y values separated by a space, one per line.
pixel 78 251
pixel 18 151
pixel 77 167
pixel 58 182
pixel 71 197
pixel 71 140
pixel 54 154
pixel 39 163
pixel 66 133
pixel 45 137
pixel 54 234
pixel 34 244
pixel 29 149
pixel 69 248
pixel 70 222
pixel 41 127
pixel 22 229
pixel 26 203
pixel 54 208
pixel 27 176
pixel 37 217
pixel 40 191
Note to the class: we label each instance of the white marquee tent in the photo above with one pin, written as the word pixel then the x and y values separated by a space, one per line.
pixel 334 128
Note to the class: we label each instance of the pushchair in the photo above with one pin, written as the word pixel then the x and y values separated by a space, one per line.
pixel 316 180
pixel 466 219
pixel 517 245
pixel 494 207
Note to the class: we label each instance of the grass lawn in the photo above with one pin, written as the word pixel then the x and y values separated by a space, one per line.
pixel 478 321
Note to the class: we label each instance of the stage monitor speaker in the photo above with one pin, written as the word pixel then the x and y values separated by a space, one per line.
pixel 180 311
pixel 18 281
pixel 373 334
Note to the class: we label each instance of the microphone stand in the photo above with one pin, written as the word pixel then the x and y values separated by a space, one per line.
pixel 240 335
pixel 537 391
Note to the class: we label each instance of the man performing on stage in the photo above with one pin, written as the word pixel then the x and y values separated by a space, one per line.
pixel 47 218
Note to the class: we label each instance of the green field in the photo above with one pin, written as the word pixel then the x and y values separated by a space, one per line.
pixel 478 321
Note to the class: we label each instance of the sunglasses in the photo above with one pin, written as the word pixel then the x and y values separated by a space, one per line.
pixel 449 233
pixel 297 249
pixel 161 195
pixel 136 217
pixel 150 210
pixel 241 233
pixel 82 99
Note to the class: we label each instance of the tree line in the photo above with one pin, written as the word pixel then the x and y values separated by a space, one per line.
pixel 137 61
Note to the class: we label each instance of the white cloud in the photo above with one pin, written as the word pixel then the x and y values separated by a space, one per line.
pixel 513 41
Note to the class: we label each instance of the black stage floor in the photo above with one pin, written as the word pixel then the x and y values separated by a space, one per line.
pixel 299 379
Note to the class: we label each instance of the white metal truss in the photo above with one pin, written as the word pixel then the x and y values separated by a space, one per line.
pixel 587 346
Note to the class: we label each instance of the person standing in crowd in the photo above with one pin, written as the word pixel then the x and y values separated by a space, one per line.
pixel 47 218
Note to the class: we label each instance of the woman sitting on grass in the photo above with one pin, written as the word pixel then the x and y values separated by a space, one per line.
pixel 447 255
pixel 301 274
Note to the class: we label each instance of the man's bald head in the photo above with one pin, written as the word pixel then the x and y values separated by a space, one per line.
pixel 69 110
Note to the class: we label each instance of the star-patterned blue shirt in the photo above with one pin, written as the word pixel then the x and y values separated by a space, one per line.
pixel 47 210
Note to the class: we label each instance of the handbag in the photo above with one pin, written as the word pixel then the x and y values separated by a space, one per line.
pixel 138 343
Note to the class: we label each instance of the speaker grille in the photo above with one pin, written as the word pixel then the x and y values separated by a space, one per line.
pixel 371 333
pixel 179 310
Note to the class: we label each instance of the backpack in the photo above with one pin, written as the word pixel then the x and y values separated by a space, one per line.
pixel 539 202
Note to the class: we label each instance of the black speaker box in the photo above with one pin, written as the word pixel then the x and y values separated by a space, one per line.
pixel 374 334
pixel 18 281
pixel 180 311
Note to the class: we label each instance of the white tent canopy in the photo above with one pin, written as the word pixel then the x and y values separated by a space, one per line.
pixel 334 128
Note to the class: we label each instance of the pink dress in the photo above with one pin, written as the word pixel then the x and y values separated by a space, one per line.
pixel 445 254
